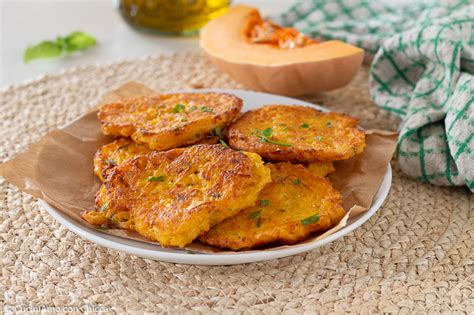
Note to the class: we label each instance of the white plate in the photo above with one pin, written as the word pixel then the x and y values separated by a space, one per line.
pixel 251 100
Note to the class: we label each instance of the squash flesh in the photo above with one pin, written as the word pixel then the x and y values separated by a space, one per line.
pixel 268 33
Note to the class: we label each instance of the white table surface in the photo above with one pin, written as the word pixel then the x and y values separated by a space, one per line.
pixel 25 22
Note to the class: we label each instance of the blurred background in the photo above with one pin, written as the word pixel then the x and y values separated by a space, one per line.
pixel 28 22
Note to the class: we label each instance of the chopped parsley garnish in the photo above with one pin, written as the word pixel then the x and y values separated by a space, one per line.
pixel 310 220
pixel 319 138
pixel 192 108
pixel 104 207
pixel 110 162
pixel 259 222
pixel 156 178
pixel 329 124
pixel 207 109
pixel 296 181
pixel 218 132
pixel 101 228
pixel 264 202
pixel 264 137
pixel 305 125
pixel 178 108
pixel 255 214
pixel 224 144
pixel 267 132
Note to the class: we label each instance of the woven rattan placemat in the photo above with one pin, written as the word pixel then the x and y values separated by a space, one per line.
pixel 415 253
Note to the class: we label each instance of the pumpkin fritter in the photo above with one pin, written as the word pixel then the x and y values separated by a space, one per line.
pixel 297 134
pixel 208 140
pixel 169 121
pixel 171 197
pixel 322 169
pixel 295 204
pixel 123 149
pixel 117 152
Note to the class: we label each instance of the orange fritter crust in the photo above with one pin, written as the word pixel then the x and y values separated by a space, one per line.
pixel 322 169
pixel 117 152
pixel 295 204
pixel 297 134
pixel 173 196
pixel 169 121
pixel 208 140
pixel 123 149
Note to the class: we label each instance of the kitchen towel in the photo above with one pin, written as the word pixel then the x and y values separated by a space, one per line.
pixel 422 71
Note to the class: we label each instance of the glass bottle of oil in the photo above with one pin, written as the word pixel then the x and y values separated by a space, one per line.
pixel 172 16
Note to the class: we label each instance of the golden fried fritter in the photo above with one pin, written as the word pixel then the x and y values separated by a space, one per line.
pixel 123 149
pixel 322 169
pixel 297 134
pixel 117 152
pixel 169 121
pixel 295 204
pixel 173 196
pixel 208 140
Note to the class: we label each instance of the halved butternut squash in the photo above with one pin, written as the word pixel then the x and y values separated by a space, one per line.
pixel 265 57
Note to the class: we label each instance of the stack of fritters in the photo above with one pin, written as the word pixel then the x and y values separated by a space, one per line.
pixel 165 178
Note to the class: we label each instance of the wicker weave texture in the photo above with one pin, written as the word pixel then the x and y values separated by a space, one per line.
pixel 415 254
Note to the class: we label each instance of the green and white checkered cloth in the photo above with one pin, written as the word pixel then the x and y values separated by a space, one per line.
pixel 422 72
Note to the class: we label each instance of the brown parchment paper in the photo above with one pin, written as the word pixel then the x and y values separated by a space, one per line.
pixel 59 170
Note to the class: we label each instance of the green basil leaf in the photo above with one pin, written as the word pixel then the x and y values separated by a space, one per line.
pixel 78 41
pixel 46 49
